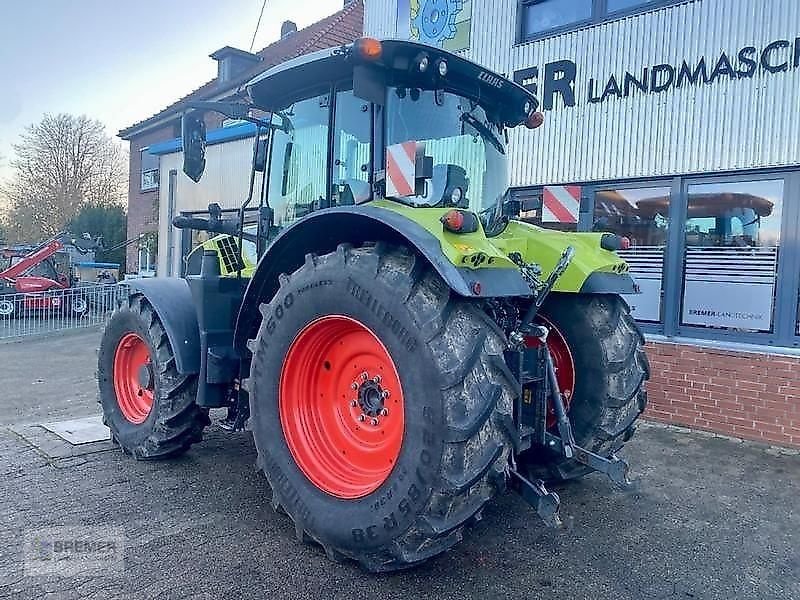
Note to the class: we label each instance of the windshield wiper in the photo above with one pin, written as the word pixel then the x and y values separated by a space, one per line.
pixel 485 132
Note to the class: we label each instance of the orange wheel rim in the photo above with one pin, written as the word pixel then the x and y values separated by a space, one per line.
pixel 134 379
pixel 341 407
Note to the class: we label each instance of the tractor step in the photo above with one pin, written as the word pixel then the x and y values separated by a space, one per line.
pixel 545 503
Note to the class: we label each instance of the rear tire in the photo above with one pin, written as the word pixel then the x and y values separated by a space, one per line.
pixel 455 392
pixel 173 422
pixel 610 369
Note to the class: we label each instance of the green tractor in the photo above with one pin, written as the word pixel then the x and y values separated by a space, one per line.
pixel 401 346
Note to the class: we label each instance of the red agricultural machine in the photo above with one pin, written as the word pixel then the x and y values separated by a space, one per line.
pixel 28 285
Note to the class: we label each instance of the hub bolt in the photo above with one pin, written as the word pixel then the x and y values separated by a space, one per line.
pixel 364 375
pixel 376 379
pixel 385 394
pixel 354 386
pixel 354 403
pixel 362 417
pixel 374 421
pixel 384 412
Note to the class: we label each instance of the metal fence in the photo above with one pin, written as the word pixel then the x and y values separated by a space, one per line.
pixel 25 314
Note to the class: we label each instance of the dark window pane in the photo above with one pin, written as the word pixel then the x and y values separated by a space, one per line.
pixel 731 259
pixel 640 214
pixel 620 5
pixel 552 14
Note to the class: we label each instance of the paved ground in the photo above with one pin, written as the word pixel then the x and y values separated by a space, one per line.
pixel 711 518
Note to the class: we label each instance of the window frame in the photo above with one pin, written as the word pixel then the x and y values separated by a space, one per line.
pixel 600 15
pixel 656 182
pixel 787 297
pixel 142 172
pixel 777 337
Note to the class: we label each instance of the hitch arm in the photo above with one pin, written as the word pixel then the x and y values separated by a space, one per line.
pixel 534 493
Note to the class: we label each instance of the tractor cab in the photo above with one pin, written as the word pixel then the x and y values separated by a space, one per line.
pixel 378 120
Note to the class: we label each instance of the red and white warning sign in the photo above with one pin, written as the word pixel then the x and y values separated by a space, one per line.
pixel 561 203
pixel 401 169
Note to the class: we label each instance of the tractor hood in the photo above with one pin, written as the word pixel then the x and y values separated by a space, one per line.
pixel 374 65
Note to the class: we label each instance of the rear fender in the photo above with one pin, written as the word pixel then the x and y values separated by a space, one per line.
pixel 593 270
pixel 172 302
pixel 321 232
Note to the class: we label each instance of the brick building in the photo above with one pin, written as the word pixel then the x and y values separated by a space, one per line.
pixel 234 67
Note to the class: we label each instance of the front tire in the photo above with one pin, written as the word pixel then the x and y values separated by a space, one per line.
pixel 598 347
pixel 392 493
pixel 149 407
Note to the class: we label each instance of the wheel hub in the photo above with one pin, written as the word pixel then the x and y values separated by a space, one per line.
pixel 146 379
pixel 371 397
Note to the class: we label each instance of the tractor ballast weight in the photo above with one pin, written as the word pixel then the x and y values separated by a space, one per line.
pixel 402 346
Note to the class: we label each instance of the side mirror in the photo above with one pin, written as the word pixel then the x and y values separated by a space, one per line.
pixel 193 132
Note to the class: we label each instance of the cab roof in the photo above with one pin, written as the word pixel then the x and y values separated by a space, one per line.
pixel 398 65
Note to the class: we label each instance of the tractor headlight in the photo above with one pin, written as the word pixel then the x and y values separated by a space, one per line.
pixel 456 195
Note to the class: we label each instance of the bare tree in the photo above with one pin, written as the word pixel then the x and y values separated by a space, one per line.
pixel 61 164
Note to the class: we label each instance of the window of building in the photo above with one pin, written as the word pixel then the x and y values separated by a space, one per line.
pixel 149 170
pixel 540 18
pixel 715 257
pixel 732 236
pixel 299 160
pixel 642 215
pixel 616 6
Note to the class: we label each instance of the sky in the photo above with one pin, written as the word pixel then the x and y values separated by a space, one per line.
pixel 121 61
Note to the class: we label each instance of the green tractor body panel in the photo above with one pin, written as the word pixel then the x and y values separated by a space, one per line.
pixel 535 244
pixel 474 250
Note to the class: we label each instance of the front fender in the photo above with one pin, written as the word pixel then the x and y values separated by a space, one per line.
pixel 321 232
pixel 173 304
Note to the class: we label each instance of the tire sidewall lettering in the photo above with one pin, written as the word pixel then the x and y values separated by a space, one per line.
pixel 391 509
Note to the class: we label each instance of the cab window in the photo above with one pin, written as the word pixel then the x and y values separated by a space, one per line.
pixel 352 149
pixel 299 159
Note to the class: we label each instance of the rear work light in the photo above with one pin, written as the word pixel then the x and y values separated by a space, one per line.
pixel 612 242
pixel 534 120
pixel 368 48
pixel 459 221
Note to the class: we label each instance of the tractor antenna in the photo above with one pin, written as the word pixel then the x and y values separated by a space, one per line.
pixel 258 24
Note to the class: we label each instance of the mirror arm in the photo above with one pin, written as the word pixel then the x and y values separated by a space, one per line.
pixel 232 110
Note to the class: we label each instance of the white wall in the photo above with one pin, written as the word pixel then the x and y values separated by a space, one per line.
pixel 731 124
pixel 225 181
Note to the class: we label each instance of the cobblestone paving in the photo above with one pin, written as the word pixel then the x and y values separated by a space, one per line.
pixel 709 518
